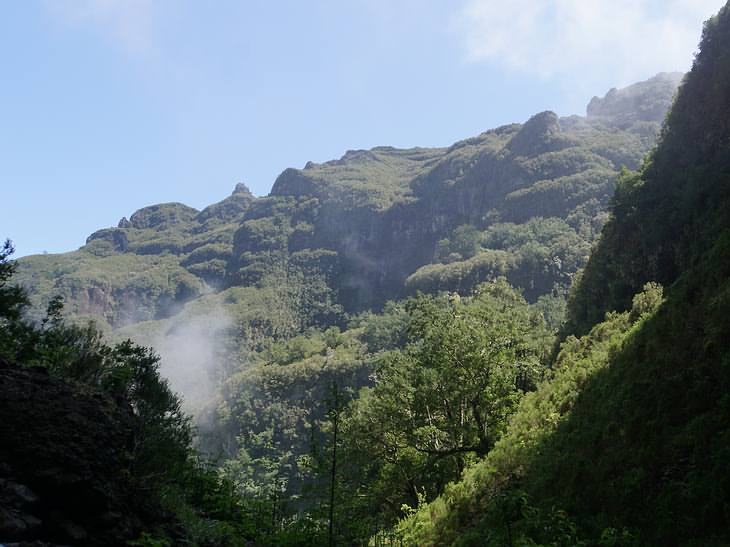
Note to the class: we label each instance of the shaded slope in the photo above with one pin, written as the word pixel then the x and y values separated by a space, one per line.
pixel 629 443
pixel 671 214
pixel 63 461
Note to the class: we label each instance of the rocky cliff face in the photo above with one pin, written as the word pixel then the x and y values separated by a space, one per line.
pixel 365 222
pixel 641 102
pixel 384 211
pixel 144 268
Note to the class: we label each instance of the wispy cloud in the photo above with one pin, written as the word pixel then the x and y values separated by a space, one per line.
pixel 127 24
pixel 626 39
pixel 191 353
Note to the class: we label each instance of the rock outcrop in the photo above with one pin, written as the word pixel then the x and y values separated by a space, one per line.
pixel 644 101
pixel 162 216
pixel 230 208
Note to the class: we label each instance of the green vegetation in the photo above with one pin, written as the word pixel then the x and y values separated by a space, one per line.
pixel 146 268
pixel 392 356
pixel 627 442
pixel 374 179
pixel 443 399
pixel 154 473
pixel 118 289
pixel 494 499
pixel 372 226
pixel 274 415
pixel 541 256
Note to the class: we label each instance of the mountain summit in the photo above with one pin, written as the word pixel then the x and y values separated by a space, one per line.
pixel 371 225
pixel 644 101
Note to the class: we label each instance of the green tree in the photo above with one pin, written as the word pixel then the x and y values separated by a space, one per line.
pixel 446 396
pixel 466 240
pixel 12 297
pixel 162 472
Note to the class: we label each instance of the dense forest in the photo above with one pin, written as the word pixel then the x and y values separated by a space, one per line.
pixel 520 339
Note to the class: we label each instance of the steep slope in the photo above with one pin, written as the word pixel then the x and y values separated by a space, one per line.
pixel 667 217
pixel 361 225
pixel 374 217
pixel 145 268
pixel 628 443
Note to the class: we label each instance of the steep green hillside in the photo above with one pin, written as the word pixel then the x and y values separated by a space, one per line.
pixel 553 168
pixel 145 268
pixel 628 442
pixel 666 217
pixel 96 450
pixel 363 225
pixel 294 327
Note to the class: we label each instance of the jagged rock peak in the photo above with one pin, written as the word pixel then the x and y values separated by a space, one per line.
pixel 643 101
pixel 231 207
pixel 241 188
pixel 291 182
pixel 537 135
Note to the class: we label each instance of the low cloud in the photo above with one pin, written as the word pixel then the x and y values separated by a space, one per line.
pixel 623 39
pixel 193 356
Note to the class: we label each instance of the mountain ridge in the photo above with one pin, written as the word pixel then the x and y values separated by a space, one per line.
pixel 626 442
pixel 364 223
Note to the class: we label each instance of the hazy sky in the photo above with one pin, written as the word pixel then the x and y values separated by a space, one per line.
pixel 110 105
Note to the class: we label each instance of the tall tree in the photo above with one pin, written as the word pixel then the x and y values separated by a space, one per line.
pixel 446 396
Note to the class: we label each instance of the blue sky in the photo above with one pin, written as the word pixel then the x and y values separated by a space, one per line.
pixel 110 105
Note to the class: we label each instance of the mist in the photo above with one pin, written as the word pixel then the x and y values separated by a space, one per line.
pixel 193 358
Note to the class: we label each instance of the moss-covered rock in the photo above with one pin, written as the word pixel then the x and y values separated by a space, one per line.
pixel 162 216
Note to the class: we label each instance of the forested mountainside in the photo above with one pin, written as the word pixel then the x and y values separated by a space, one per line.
pixel 266 310
pixel 524 201
pixel 95 447
pixel 627 441
pixel 293 327
pixel 379 350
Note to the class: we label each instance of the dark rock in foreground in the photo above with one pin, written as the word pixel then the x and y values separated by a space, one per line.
pixel 63 463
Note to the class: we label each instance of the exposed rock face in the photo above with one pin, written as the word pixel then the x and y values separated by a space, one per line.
pixel 369 219
pixel 381 212
pixel 540 134
pixel 114 236
pixel 230 208
pixel 643 101
pixel 62 462
pixel 93 300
